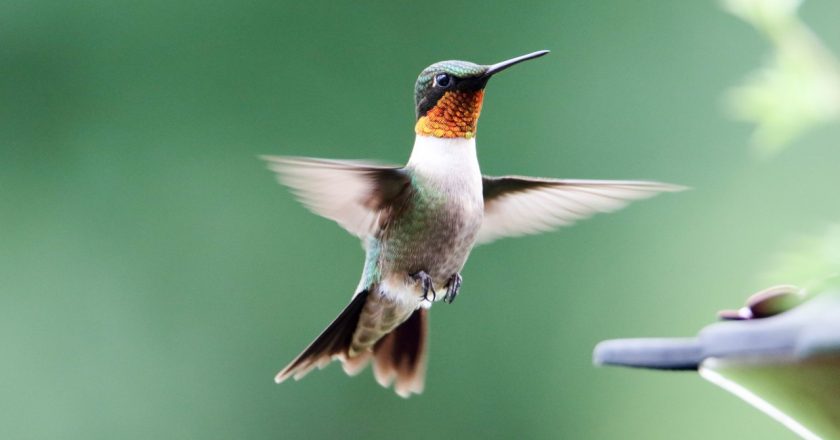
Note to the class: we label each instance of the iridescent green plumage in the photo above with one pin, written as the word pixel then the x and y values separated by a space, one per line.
pixel 459 69
pixel 426 93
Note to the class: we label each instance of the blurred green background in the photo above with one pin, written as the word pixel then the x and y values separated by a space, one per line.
pixel 154 277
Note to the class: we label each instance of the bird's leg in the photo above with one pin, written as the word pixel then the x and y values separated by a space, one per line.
pixel 426 283
pixel 452 288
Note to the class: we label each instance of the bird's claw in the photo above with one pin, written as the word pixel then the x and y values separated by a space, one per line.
pixel 426 284
pixel 452 288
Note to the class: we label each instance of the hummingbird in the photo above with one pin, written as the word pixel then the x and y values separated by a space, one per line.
pixel 419 222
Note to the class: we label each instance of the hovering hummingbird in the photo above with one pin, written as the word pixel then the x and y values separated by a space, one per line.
pixel 418 223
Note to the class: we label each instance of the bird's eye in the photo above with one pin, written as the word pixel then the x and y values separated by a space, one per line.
pixel 442 80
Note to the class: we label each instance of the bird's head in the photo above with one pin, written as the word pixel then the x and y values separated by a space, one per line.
pixel 448 95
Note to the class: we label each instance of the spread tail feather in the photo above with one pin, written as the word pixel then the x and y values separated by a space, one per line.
pixel 398 358
pixel 333 342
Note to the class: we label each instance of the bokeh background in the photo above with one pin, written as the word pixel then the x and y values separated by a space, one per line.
pixel 154 277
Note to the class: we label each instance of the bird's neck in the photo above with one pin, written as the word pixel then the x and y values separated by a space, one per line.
pixel 453 157
pixel 454 116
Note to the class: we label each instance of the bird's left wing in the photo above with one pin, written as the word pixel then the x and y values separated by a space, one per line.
pixel 352 193
pixel 516 205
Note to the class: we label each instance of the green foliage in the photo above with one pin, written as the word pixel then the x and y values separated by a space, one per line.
pixel 799 87
pixel 810 261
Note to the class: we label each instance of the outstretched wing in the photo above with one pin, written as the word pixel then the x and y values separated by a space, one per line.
pixel 354 194
pixel 515 205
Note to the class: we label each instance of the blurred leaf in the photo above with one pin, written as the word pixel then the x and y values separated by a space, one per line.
pixel 810 261
pixel 799 87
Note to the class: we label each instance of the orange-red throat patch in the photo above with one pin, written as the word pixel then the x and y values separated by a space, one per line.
pixel 455 115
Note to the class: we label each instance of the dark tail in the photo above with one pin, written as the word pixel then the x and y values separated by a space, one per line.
pixel 334 341
pixel 399 357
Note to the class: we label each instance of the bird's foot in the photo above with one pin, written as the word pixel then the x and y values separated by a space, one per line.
pixel 426 284
pixel 452 288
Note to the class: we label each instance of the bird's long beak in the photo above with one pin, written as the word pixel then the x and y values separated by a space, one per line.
pixel 498 67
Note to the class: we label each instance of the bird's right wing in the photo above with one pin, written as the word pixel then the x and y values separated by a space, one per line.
pixel 352 193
